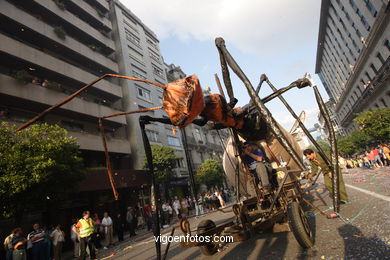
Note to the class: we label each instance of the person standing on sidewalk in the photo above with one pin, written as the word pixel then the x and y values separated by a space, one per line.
pixel 318 162
pixel 58 237
pixel 37 237
pixel 119 225
pixel 84 229
pixel 107 225
pixel 129 220
pixel 8 245
pixel 19 245
pixel 75 239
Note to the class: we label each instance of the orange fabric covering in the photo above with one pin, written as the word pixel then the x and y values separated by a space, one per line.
pixel 183 100
pixel 216 111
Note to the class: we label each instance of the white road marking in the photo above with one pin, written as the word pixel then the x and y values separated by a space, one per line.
pixel 374 194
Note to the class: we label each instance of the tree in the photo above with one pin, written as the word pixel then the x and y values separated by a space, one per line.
pixel 323 144
pixel 354 143
pixel 37 164
pixel 375 123
pixel 210 173
pixel 164 161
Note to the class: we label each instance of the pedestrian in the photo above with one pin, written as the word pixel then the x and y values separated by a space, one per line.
pixel 371 157
pixel 129 220
pixel 177 207
pixel 37 237
pixel 58 237
pixel 119 225
pixel 377 158
pixel 165 211
pixel 316 162
pixel 148 216
pixel 221 200
pixel 19 245
pixel 107 225
pixel 98 231
pixel 75 239
pixel 386 153
pixel 84 229
pixel 47 241
pixel 184 206
pixel 8 245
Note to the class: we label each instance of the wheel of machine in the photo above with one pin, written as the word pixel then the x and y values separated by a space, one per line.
pixel 204 226
pixel 299 225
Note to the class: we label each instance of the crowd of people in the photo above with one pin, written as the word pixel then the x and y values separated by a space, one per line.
pixel 375 157
pixel 92 232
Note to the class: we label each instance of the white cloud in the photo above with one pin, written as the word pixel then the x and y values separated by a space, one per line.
pixel 257 27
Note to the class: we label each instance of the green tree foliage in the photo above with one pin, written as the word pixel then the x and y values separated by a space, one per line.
pixel 210 173
pixel 36 164
pixel 323 144
pixel 354 143
pixel 375 123
pixel 164 161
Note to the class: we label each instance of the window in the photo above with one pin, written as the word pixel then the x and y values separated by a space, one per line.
pixel 154 56
pixel 152 43
pixel 368 76
pixel 197 135
pixel 373 68
pixel 72 126
pixel 152 135
pixel 132 38
pixel 387 44
pixel 371 8
pixel 130 22
pixel 380 58
pixel 143 93
pixel 157 71
pixel 180 163
pixel 136 55
pixel 173 141
pixel 138 75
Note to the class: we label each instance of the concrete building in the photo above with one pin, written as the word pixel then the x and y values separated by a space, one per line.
pixel 203 143
pixel 48 50
pixel 138 55
pixel 324 132
pixel 353 56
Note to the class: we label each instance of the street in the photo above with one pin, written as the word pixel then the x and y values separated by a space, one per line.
pixel 361 233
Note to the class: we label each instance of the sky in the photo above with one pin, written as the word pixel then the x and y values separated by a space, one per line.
pixel 278 38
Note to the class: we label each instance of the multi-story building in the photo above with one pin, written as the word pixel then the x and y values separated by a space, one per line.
pixel 138 55
pixel 48 50
pixel 324 131
pixel 353 56
pixel 203 143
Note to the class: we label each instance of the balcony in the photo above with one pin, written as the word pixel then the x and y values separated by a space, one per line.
pixel 43 95
pixel 55 66
pixel 87 10
pixel 93 142
pixel 68 18
pixel 379 79
pixel 43 35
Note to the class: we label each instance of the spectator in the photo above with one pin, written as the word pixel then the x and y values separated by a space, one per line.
pixel 377 158
pixel 107 225
pixel 37 236
pixel 48 243
pixel 8 245
pixel 184 206
pixel 148 216
pixel 84 229
pixel 129 220
pixel 177 207
pixel 165 211
pixel 98 231
pixel 19 245
pixel 58 237
pixel 75 239
pixel 119 225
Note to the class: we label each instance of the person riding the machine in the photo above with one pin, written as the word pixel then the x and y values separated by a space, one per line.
pixel 257 162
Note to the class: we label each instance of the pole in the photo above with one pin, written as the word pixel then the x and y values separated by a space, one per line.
pixel 189 165
pixel 155 201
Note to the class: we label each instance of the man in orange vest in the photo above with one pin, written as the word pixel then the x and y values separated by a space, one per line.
pixel 84 229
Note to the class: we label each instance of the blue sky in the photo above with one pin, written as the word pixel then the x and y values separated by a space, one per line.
pixel 278 38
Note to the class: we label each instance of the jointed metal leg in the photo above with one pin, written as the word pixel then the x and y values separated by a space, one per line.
pixel 259 104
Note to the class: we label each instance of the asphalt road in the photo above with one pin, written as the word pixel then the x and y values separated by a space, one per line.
pixel 362 232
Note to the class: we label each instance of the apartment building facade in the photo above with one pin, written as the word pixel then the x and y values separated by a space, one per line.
pixel 353 56
pixel 48 50
pixel 138 55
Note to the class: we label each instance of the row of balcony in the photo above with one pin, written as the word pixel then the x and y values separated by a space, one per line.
pixel 382 75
